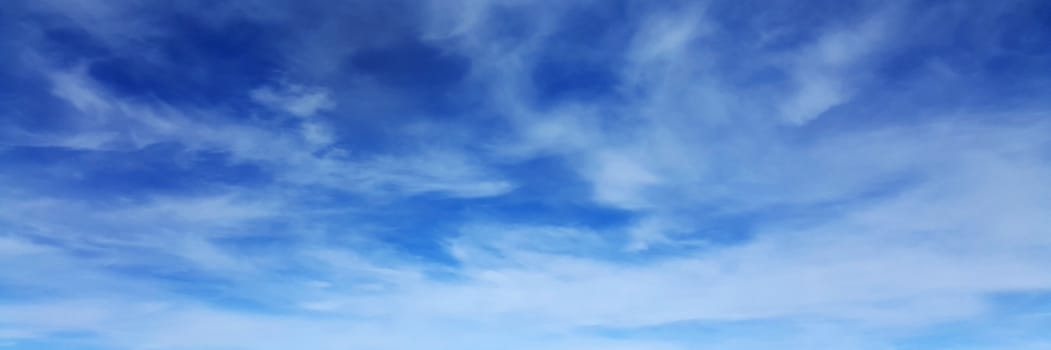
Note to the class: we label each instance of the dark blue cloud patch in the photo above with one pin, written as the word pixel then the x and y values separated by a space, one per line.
pixel 581 58
pixel 427 77
pixel 1029 32
pixel 69 46
pixel 506 26
pixel 27 107
pixel 572 79
pixel 386 87
pixel 195 62
pixel 411 65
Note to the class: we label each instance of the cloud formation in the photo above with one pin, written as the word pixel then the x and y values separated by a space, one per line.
pixel 471 174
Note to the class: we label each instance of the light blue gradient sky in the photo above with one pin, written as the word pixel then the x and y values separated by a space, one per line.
pixel 479 174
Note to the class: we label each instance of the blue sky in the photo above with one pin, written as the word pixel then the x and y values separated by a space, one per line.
pixel 479 174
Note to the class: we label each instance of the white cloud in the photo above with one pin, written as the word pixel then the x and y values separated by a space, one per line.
pixel 668 36
pixel 73 86
pixel 967 220
pixel 619 179
pixel 823 73
pixel 297 100
pixel 291 157
pixel 938 265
